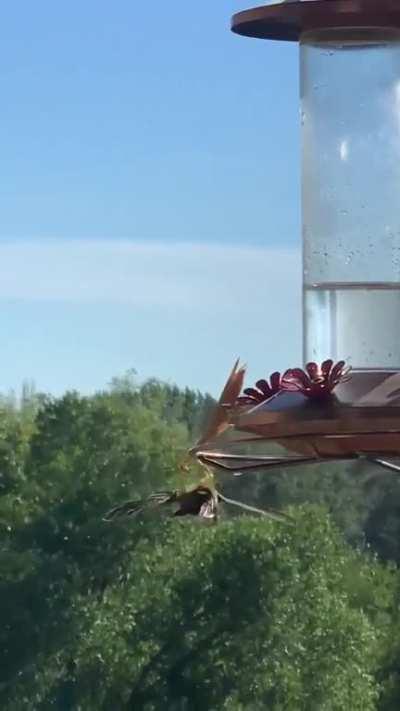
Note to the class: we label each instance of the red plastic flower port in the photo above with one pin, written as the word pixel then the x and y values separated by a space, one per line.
pixel 262 392
pixel 316 381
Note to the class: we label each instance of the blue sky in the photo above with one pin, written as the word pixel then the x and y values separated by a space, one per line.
pixel 149 203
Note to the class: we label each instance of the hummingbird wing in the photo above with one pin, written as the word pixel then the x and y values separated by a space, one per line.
pixel 131 508
pixel 271 513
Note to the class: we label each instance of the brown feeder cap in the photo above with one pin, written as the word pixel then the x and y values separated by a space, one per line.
pixel 289 19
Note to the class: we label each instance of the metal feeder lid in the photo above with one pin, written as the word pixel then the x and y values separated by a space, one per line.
pixel 289 19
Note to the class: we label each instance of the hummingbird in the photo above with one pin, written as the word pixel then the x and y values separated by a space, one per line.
pixel 202 501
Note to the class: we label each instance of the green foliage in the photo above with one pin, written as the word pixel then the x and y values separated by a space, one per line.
pixel 245 615
pixel 159 614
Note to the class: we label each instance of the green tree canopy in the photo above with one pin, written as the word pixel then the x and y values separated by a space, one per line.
pixel 159 614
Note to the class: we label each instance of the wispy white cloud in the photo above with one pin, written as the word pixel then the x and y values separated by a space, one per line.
pixel 195 277
pixel 77 312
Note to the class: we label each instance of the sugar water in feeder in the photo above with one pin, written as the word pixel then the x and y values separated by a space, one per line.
pixel 350 118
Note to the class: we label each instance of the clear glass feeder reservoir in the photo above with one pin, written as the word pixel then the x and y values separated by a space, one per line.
pixel 350 115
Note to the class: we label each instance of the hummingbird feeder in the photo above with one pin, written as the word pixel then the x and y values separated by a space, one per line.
pixel 344 404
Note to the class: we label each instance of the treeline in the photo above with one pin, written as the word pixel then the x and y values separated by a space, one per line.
pixel 156 614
